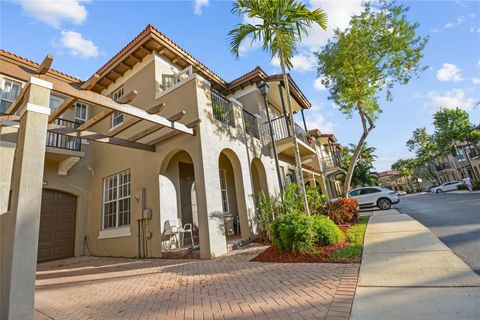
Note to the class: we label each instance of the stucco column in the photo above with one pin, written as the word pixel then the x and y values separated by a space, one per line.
pixel 20 225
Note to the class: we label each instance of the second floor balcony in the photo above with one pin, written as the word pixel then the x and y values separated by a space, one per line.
pixel 330 163
pixel 62 141
pixel 283 136
pixel 443 166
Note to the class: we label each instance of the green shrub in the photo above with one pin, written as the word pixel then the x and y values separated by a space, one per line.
pixel 292 201
pixel 316 200
pixel 327 232
pixel 268 208
pixel 294 232
pixel 300 233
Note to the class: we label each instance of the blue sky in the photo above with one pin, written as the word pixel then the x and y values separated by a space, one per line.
pixel 83 35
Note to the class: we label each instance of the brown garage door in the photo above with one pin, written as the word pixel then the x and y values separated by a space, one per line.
pixel 57 226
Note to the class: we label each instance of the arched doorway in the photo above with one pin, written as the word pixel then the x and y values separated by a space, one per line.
pixel 232 194
pixel 56 238
pixel 177 193
pixel 259 178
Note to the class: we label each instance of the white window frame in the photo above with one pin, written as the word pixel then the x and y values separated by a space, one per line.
pixel 117 199
pixel 77 106
pixel 4 83
pixel 224 191
pixel 117 94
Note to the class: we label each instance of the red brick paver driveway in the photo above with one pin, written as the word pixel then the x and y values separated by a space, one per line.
pixel 116 288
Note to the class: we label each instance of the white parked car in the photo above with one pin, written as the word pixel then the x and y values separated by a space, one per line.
pixel 401 193
pixel 447 186
pixel 380 197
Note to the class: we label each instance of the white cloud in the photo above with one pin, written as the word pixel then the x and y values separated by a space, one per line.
pixel 318 86
pixel 54 13
pixel 77 45
pixel 339 15
pixel 451 24
pixel 301 62
pixel 449 72
pixel 316 120
pixel 450 99
pixel 476 80
pixel 475 29
pixel 199 4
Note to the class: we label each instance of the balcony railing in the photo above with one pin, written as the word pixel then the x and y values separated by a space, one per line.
pixel 251 124
pixel 222 109
pixel 281 130
pixel 443 166
pixel 62 141
pixel 330 162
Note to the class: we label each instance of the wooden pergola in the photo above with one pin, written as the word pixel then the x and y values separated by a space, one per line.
pixel 147 122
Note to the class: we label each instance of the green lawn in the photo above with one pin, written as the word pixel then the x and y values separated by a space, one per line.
pixel 352 253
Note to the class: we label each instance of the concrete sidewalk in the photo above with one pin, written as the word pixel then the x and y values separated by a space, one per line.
pixel 407 273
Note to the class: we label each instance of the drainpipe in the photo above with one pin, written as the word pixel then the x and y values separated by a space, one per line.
pixel 304 123
pixel 263 87
pixel 284 109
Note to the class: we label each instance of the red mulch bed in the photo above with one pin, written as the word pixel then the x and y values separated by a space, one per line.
pixel 272 254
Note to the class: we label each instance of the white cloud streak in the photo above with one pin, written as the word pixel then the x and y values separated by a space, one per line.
pixel 449 72
pixel 77 45
pixel 199 5
pixel 55 12
pixel 450 99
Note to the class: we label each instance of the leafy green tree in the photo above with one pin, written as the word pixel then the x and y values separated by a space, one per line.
pixel 406 168
pixel 453 126
pixel 363 173
pixel 379 49
pixel 425 148
pixel 282 23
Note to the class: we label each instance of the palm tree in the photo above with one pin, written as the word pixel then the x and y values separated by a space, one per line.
pixel 279 30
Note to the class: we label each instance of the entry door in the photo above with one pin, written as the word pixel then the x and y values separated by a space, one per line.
pixel 56 238
pixel 187 178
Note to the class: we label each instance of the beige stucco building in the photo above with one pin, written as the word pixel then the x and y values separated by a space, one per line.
pixel 107 166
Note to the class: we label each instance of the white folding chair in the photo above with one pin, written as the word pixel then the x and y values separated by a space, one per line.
pixel 172 229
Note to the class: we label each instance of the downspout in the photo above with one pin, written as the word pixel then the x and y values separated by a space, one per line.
pixel 304 123
pixel 274 146
pixel 284 108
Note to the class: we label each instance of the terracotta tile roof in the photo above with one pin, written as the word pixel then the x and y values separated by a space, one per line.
pixel 257 71
pixel 35 64
pixel 388 173
pixel 150 29
pixel 315 132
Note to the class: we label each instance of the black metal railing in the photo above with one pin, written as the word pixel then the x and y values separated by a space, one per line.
pixel 281 129
pixel 443 166
pixel 329 162
pixel 251 124
pixel 62 141
pixel 222 109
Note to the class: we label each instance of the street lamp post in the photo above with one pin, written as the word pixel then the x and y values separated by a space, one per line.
pixel 263 88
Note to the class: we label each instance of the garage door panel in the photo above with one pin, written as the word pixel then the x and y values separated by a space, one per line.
pixel 57 226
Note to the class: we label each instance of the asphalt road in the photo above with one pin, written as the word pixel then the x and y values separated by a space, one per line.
pixel 453 217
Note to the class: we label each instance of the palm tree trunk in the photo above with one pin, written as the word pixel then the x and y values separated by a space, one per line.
pixel 298 160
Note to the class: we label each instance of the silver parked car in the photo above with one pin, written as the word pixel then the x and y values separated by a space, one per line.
pixel 380 197
pixel 447 186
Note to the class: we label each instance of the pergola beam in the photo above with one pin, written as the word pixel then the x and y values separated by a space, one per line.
pixel 93 136
pixel 145 132
pixel 133 121
pixel 45 65
pixel 18 100
pixel 95 119
pixel 90 83
pixel 172 133
pixel 62 108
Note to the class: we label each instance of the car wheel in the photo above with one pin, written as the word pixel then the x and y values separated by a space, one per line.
pixel 384 203
pixel 438 191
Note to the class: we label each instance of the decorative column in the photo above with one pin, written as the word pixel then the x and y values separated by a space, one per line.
pixel 20 225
